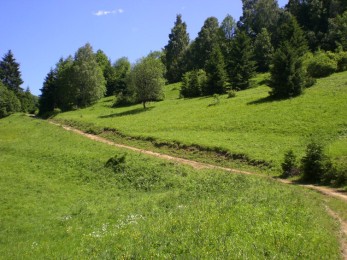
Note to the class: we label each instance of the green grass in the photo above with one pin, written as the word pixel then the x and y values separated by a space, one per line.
pixel 58 200
pixel 249 124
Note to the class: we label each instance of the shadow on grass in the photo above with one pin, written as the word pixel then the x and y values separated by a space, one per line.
pixel 128 113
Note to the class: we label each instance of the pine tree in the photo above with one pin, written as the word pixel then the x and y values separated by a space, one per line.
pixel 88 77
pixel 47 100
pixel 175 50
pixel 241 65
pixel 216 74
pixel 208 37
pixel 10 74
pixel 288 77
pixel 263 51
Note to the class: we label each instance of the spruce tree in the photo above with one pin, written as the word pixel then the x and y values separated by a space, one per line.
pixel 47 100
pixel 10 74
pixel 263 51
pixel 216 74
pixel 288 77
pixel 241 65
pixel 175 50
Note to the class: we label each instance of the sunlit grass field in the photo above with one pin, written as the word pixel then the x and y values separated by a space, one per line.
pixel 250 124
pixel 59 200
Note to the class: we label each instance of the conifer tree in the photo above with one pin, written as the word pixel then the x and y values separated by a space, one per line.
pixel 175 50
pixel 241 64
pixel 288 77
pixel 263 51
pixel 10 74
pixel 47 100
pixel 216 74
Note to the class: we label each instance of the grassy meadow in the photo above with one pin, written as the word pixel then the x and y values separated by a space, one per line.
pixel 250 124
pixel 59 200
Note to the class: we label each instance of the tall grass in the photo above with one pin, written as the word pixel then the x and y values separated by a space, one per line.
pixel 59 200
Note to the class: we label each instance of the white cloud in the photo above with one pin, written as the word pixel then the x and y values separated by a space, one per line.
pixel 107 12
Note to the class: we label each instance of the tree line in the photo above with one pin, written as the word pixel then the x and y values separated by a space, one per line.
pixel 298 43
pixel 12 97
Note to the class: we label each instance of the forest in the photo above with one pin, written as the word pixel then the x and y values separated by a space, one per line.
pixel 296 44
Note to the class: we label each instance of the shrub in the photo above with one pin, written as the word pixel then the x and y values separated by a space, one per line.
pixel 123 100
pixel 231 93
pixel 322 64
pixel 193 83
pixel 289 165
pixel 116 163
pixel 341 61
pixel 316 166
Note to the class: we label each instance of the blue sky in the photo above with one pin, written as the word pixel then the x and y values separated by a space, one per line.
pixel 39 32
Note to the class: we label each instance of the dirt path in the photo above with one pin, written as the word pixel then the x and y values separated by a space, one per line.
pixel 199 165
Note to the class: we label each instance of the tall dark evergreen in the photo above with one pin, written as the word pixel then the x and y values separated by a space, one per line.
pixel 10 74
pixel 313 16
pixel 263 50
pixel 216 74
pixel 47 100
pixel 208 37
pixel 175 50
pixel 241 65
pixel 288 77
pixel 228 30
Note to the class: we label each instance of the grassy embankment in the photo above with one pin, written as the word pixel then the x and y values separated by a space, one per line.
pixel 249 126
pixel 58 200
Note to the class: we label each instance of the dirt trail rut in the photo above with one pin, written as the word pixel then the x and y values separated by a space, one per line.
pixel 199 165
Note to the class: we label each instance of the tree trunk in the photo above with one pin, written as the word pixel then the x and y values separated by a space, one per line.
pixel 144 104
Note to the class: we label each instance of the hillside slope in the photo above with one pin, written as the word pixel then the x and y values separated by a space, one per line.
pixel 250 123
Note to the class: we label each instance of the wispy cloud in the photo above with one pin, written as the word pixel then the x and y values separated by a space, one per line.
pixel 107 12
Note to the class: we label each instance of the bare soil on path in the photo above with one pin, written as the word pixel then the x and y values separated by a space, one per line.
pixel 199 165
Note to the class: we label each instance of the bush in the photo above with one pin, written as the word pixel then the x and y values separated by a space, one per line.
pixel 289 165
pixel 123 100
pixel 116 163
pixel 341 61
pixel 231 93
pixel 193 83
pixel 322 64
pixel 316 166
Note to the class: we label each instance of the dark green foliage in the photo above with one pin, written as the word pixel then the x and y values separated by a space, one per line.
pixel 263 51
pixel 289 165
pixel 241 65
pixel 146 80
pixel 216 74
pixel 29 102
pixel 337 32
pixel 231 93
pixel 322 64
pixel 9 103
pixel 124 100
pixel 47 100
pixel 193 83
pixel 117 163
pixel 122 70
pixel 208 37
pixel 288 76
pixel 228 30
pixel 316 166
pixel 175 50
pixel 107 70
pixel 314 15
pixel 341 57
pixel 10 74
pixel 88 78
pixel 259 14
